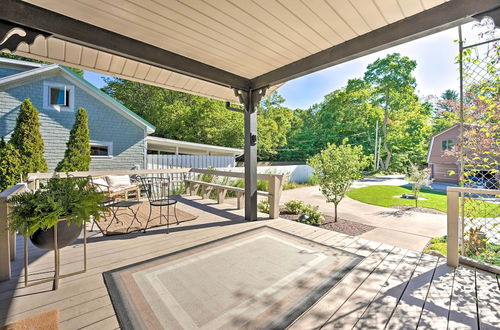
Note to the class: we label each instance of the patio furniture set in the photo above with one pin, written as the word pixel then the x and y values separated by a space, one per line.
pixel 123 194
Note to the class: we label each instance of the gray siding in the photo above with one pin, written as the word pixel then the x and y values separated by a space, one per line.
pixel 10 69
pixel 105 124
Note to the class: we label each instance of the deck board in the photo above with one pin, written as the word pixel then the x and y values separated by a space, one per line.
pixel 390 286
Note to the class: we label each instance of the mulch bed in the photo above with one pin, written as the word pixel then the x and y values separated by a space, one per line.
pixel 343 226
pixel 417 209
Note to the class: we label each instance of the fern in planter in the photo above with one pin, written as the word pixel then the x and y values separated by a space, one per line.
pixel 72 199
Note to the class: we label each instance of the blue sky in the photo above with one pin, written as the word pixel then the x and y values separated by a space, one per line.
pixel 435 72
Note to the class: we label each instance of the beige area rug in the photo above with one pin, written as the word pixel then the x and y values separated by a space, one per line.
pixel 262 278
pixel 44 321
pixel 127 223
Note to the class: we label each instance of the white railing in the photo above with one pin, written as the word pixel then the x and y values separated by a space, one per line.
pixel 473 217
pixel 7 238
pixel 188 161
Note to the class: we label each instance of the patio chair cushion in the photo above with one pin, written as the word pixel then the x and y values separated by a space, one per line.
pixel 115 181
pixel 101 184
pixel 120 188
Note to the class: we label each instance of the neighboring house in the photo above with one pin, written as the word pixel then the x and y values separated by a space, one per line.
pixel 445 167
pixel 119 137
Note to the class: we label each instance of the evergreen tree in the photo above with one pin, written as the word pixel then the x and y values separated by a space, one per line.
pixel 10 165
pixel 77 154
pixel 28 141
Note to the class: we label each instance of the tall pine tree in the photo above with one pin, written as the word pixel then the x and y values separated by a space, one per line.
pixel 77 154
pixel 10 165
pixel 28 141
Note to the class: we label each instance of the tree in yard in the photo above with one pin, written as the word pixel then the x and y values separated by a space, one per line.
pixel 27 139
pixel 10 165
pixel 336 167
pixel 418 178
pixel 77 154
pixel 389 77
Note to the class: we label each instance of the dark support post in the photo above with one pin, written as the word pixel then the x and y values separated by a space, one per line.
pixel 250 159
pixel 250 100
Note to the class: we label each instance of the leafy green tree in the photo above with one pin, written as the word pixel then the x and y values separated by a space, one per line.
pixel 336 167
pixel 446 111
pixel 389 77
pixel 77 154
pixel 10 165
pixel 27 139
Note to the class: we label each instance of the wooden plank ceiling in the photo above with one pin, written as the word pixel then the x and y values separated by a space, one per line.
pixel 248 38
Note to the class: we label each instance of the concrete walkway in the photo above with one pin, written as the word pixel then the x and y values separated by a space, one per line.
pixel 410 230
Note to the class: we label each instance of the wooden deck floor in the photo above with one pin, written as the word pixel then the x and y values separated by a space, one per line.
pixel 392 287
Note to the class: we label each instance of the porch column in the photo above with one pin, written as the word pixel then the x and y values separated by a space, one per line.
pixel 250 159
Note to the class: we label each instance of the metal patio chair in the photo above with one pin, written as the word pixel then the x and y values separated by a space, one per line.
pixel 157 191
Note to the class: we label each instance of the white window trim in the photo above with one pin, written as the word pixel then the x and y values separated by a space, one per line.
pixel 46 99
pixel 105 144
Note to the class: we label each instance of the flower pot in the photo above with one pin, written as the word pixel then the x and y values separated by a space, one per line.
pixel 66 235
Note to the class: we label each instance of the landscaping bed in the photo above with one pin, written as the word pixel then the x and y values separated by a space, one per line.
pixel 416 209
pixel 343 226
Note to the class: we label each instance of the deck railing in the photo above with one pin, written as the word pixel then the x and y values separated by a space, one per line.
pixel 473 227
pixel 177 176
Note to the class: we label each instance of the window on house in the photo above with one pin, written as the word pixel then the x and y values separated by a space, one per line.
pixel 447 144
pixel 101 149
pixel 59 96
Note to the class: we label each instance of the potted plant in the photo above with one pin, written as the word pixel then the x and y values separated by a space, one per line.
pixel 67 202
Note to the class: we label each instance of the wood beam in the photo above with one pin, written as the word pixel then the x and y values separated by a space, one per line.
pixel 442 17
pixel 69 29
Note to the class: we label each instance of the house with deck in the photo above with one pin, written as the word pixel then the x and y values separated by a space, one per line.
pixel 119 137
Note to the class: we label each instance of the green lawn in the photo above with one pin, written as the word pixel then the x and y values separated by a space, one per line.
pixel 384 196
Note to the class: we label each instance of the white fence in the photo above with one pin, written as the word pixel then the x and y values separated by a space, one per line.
pixel 188 161
pixel 294 173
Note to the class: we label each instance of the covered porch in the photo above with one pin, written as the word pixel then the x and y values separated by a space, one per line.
pixel 387 287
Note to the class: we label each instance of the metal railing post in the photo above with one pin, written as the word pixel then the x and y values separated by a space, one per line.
pixel 452 228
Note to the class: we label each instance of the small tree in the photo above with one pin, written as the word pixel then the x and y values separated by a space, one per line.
pixel 77 154
pixel 418 178
pixel 336 167
pixel 27 139
pixel 10 166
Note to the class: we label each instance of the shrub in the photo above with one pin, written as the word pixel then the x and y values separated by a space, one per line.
pixel 77 154
pixel 298 207
pixel 294 206
pixel 418 178
pixel 27 139
pixel 263 206
pixel 315 217
pixel 10 166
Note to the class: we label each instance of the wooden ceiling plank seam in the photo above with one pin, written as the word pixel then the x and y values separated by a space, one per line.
pixel 356 33
pixel 325 24
pixel 361 15
pixel 262 31
pixel 380 11
pixel 428 4
pixel 370 13
pixel 162 77
pixel 142 70
pixel 153 73
pixel 129 68
pixel 266 56
pixel 410 7
pixel 73 53
pixel 295 40
pixel 330 17
pixel 316 14
pixel 345 9
pixel 55 48
pixel 103 61
pixel 88 55
pixel 310 18
pixel 391 10
pixel 117 64
pixel 220 59
pixel 288 18
pixel 207 41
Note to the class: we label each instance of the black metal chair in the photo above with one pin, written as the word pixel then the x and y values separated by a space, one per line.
pixel 157 191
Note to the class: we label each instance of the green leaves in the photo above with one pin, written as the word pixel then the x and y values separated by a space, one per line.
pixel 336 167
pixel 77 154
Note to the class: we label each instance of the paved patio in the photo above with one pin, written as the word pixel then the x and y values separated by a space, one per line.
pixel 390 286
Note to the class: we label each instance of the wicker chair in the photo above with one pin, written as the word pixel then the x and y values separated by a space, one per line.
pixel 157 191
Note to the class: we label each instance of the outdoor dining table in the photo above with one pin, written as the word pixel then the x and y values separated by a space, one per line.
pixel 127 204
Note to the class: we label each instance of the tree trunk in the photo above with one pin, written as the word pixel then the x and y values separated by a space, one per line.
pixel 384 132
pixel 336 211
